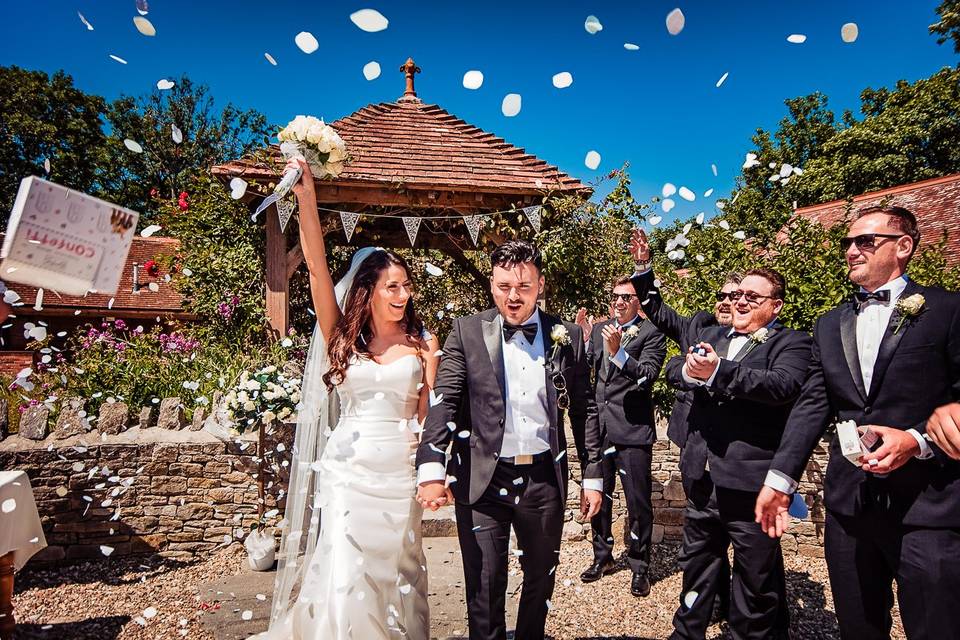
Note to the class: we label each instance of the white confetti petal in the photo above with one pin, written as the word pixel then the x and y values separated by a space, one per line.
pixel 105 550
pixel 248 615
pixel 629 46
pixel 713 168
pixel 306 42
pixel 796 38
pixel 667 205
pixel 433 269
pixel 176 134
pixel 739 235
pixel 164 84
pixel 654 220
pixel 38 303
pixel 132 145
pixel 153 286
pixel 668 190
pixel 150 612
pixel 686 194
pixel 369 20
pixel 848 32
pixel 118 59
pixel 563 80
pixel 371 70
pixel 8 505
pixel 724 225
pixel 700 217
pixel 472 79
pixel 144 26
pixel 689 598
pixel 85 22
pixel 270 58
pixel 592 160
pixel 722 79
pixel 149 231
pixel 592 25
pixel 675 21
pixel 143 7
pixel 512 102
pixel 238 187
pixel 708 193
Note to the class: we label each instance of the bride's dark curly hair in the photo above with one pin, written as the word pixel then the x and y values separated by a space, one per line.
pixel 352 333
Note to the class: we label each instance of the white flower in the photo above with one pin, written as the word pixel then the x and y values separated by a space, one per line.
pixel 760 335
pixel 252 385
pixel 269 369
pixel 908 307
pixel 269 416
pixel 269 395
pixel 284 413
pixel 295 397
pixel 632 332
pixel 249 406
pixel 560 335
pixel 242 397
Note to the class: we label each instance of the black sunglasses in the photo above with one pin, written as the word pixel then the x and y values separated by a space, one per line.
pixel 867 240
pixel 750 296
pixel 560 384
pixel 626 297
pixel 723 295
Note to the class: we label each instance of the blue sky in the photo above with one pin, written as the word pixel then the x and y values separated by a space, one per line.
pixel 657 107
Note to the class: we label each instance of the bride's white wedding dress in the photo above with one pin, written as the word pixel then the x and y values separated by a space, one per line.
pixel 367 579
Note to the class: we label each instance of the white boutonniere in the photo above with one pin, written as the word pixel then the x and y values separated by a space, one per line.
pixel 560 336
pixel 632 332
pixel 760 335
pixel 909 307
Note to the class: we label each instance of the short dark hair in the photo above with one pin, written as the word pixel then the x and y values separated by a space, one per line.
pixel 732 276
pixel 900 218
pixel 516 252
pixel 772 276
pixel 622 280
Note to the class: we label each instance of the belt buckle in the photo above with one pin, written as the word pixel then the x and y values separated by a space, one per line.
pixel 525 458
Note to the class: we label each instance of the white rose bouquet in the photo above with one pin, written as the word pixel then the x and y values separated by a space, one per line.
pixel 319 144
pixel 261 397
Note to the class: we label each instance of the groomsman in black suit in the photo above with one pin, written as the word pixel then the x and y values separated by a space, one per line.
pixel 506 378
pixel 625 354
pixel 885 360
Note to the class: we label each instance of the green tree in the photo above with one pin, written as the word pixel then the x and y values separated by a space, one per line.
pixel 948 27
pixel 47 118
pixel 166 167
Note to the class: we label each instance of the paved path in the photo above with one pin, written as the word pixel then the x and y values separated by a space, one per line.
pixel 447 609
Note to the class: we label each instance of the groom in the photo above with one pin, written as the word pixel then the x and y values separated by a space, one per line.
pixel 505 377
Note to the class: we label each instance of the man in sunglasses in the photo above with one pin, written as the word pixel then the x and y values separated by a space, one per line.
pixel 625 354
pixel 744 379
pixel 886 359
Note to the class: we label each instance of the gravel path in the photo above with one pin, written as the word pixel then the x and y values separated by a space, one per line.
pixel 110 599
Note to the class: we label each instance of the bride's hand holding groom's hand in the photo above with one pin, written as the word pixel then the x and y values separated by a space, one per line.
pixel 434 494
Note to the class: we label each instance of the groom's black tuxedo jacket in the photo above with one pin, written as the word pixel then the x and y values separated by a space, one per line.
pixel 471 382
pixel 684 330
pixel 917 370
pixel 624 403
pixel 742 413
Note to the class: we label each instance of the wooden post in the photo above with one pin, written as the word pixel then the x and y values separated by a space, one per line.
pixel 278 282
pixel 6 597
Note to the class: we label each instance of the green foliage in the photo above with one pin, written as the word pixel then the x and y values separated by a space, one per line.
pixel 948 27
pixel 262 396
pixel 44 117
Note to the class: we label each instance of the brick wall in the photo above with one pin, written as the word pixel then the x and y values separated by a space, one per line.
pixel 12 362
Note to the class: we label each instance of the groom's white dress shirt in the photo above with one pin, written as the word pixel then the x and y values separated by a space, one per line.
pixel 526 426
pixel 873 317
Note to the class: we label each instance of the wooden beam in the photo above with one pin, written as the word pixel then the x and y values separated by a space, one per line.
pixel 294 260
pixel 278 284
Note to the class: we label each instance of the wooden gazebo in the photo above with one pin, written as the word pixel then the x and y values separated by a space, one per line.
pixel 406 159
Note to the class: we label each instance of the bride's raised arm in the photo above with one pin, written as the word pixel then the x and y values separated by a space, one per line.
pixel 314 252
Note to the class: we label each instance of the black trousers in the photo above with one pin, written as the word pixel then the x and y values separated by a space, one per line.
pixel 866 553
pixel 714 519
pixel 632 463
pixel 528 498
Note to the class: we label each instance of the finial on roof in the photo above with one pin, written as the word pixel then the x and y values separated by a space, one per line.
pixel 409 68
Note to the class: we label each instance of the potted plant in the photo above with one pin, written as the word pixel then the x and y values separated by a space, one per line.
pixel 259 399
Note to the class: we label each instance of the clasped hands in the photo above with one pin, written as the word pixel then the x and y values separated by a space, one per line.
pixel 700 366
pixel 434 494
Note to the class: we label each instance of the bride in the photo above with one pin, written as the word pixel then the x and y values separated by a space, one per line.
pixel 351 562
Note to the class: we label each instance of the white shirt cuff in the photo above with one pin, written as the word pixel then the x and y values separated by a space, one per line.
pixel 925 451
pixel 431 471
pixel 780 481
pixel 593 484
pixel 713 375
pixel 620 358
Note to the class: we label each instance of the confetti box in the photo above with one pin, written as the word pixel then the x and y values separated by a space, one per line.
pixel 64 240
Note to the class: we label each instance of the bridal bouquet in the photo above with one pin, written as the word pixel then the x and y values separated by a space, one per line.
pixel 318 143
pixel 261 397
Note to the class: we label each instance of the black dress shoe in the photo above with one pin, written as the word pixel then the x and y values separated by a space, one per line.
pixel 640 585
pixel 596 571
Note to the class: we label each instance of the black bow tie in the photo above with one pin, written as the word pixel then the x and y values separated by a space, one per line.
pixel 529 331
pixel 865 296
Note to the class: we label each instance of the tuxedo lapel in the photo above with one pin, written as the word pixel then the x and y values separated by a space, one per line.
pixel 848 337
pixel 492 331
pixel 550 365
pixel 752 344
pixel 890 341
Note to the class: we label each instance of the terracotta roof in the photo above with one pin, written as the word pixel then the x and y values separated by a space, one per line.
pixel 421 146
pixel 935 203
pixel 165 300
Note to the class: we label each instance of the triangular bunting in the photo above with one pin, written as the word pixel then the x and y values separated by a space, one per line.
pixel 349 222
pixel 284 211
pixel 473 226
pixel 412 225
pixel 533 215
